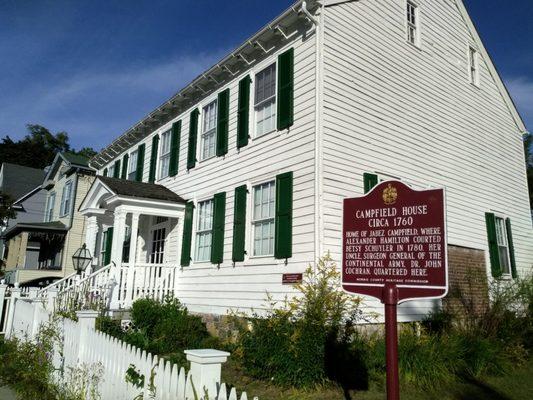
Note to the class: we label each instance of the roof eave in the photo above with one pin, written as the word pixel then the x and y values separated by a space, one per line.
pixel 190 92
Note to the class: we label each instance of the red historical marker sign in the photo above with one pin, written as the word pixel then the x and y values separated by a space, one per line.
pixel 395 235
pixel 394 248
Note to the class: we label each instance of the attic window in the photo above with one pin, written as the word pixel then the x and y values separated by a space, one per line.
pixel 413 28
pixel 473 66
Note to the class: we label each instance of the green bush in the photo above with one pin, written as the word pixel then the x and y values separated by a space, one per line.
pixel 164 328
pixel 298 341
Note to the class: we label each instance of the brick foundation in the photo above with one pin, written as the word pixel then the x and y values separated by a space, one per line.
pixel 467 281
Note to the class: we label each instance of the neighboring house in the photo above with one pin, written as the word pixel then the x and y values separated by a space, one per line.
pixel 22 185
pixel 322 103
pixel 41 249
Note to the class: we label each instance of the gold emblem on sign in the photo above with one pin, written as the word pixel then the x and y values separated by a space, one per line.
pixel 390 194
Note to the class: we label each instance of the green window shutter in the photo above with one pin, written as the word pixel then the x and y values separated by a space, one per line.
pixel 125 160
pixel 140 163
pixel 193 137
pixel 116 170
pixel 495 266
pixel 511 247
pixel 283 224
pixel 187 235
pixel 369 180
pixel 243 113
pixel 239 224
pixel 108 244
pixel 153 159
pixel 105 172
pixel 174 149
pixel 222 122
pixel 219 221
pixel 286 89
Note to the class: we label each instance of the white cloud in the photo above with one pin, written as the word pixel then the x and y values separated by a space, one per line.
pixel 95 107
pixel 521 90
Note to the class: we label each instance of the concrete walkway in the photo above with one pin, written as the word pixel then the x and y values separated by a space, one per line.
pixel 7 394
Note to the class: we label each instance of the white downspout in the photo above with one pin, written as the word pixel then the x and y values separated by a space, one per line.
pixel 318 220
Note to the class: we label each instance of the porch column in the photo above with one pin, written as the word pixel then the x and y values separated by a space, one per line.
pixel 90 239
pixel 132 258
pixel 119 234
pixel 117 245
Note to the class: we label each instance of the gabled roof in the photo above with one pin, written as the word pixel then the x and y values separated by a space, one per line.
pixel 17 180
pixel 280 29
pixel 152 191
pixel 72 160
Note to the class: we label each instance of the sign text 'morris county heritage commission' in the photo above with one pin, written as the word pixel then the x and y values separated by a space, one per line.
pixel 395 235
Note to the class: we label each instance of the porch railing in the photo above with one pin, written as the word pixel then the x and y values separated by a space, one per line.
pixel 92 292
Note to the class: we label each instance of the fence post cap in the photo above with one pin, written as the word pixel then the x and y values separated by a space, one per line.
pixel 207 356
pixel 16 285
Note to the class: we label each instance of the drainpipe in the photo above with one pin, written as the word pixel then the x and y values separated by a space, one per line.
pixel 318 222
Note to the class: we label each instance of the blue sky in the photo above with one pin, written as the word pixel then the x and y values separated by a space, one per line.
pixel 94 68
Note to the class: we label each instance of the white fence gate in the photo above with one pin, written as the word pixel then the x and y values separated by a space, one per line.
pixel 81 345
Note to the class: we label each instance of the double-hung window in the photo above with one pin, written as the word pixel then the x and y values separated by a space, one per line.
pixel 111 170
pixel 263 225
pixel 50 204
pixel 132 167
pixel 103 246
pixel 204 230
pixel 209 130
pixel 265 100
pixel 66 198
pixel 473 66
pixel 503 245
pixel 158 246
pixel 164 157
pixel 413 29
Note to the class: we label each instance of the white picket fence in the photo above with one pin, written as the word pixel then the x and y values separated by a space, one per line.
pixel 81 345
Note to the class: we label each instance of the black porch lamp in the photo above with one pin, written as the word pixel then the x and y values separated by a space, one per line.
pixel 81 259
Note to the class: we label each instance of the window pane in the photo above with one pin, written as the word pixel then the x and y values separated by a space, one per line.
pixel 263 219
pixel 132 167
pixel 203 236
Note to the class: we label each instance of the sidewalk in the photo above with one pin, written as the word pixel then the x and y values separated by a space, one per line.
pixel 6 393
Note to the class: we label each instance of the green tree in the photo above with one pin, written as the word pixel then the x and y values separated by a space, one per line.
pixel 6 208
pixel 38 148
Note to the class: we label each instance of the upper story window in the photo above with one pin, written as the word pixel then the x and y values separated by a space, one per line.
pixel 132 167
pixel 473 66
pixel 66 198
pixel 111 170
pixel 204 230
pixel 263 223
pixel 164 157
pixel 265 100
pixel 503 246
pixel 413 24
pixel 209 130
pixel 50 204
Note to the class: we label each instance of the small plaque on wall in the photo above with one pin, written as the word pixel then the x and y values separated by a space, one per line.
pixel 291 279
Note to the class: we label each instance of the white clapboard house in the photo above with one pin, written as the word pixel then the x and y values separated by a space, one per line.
pixel 239 177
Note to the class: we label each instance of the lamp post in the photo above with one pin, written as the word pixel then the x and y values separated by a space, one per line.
pixel 81 259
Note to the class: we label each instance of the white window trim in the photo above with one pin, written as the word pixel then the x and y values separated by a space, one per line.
pixel 476 81
pixel 497 214
pixel 49 214
pixel 253 119
pixel 128 171
pixel 62 209
pixel 196 201
pixel 250 222
pixel 158 162
pixel 201 115
pixel 418 26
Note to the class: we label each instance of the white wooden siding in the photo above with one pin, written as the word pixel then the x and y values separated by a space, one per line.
pixel 204 287
pixel 394 109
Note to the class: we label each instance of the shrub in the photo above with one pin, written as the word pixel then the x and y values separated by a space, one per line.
pixel 164 328
pixel 291 344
